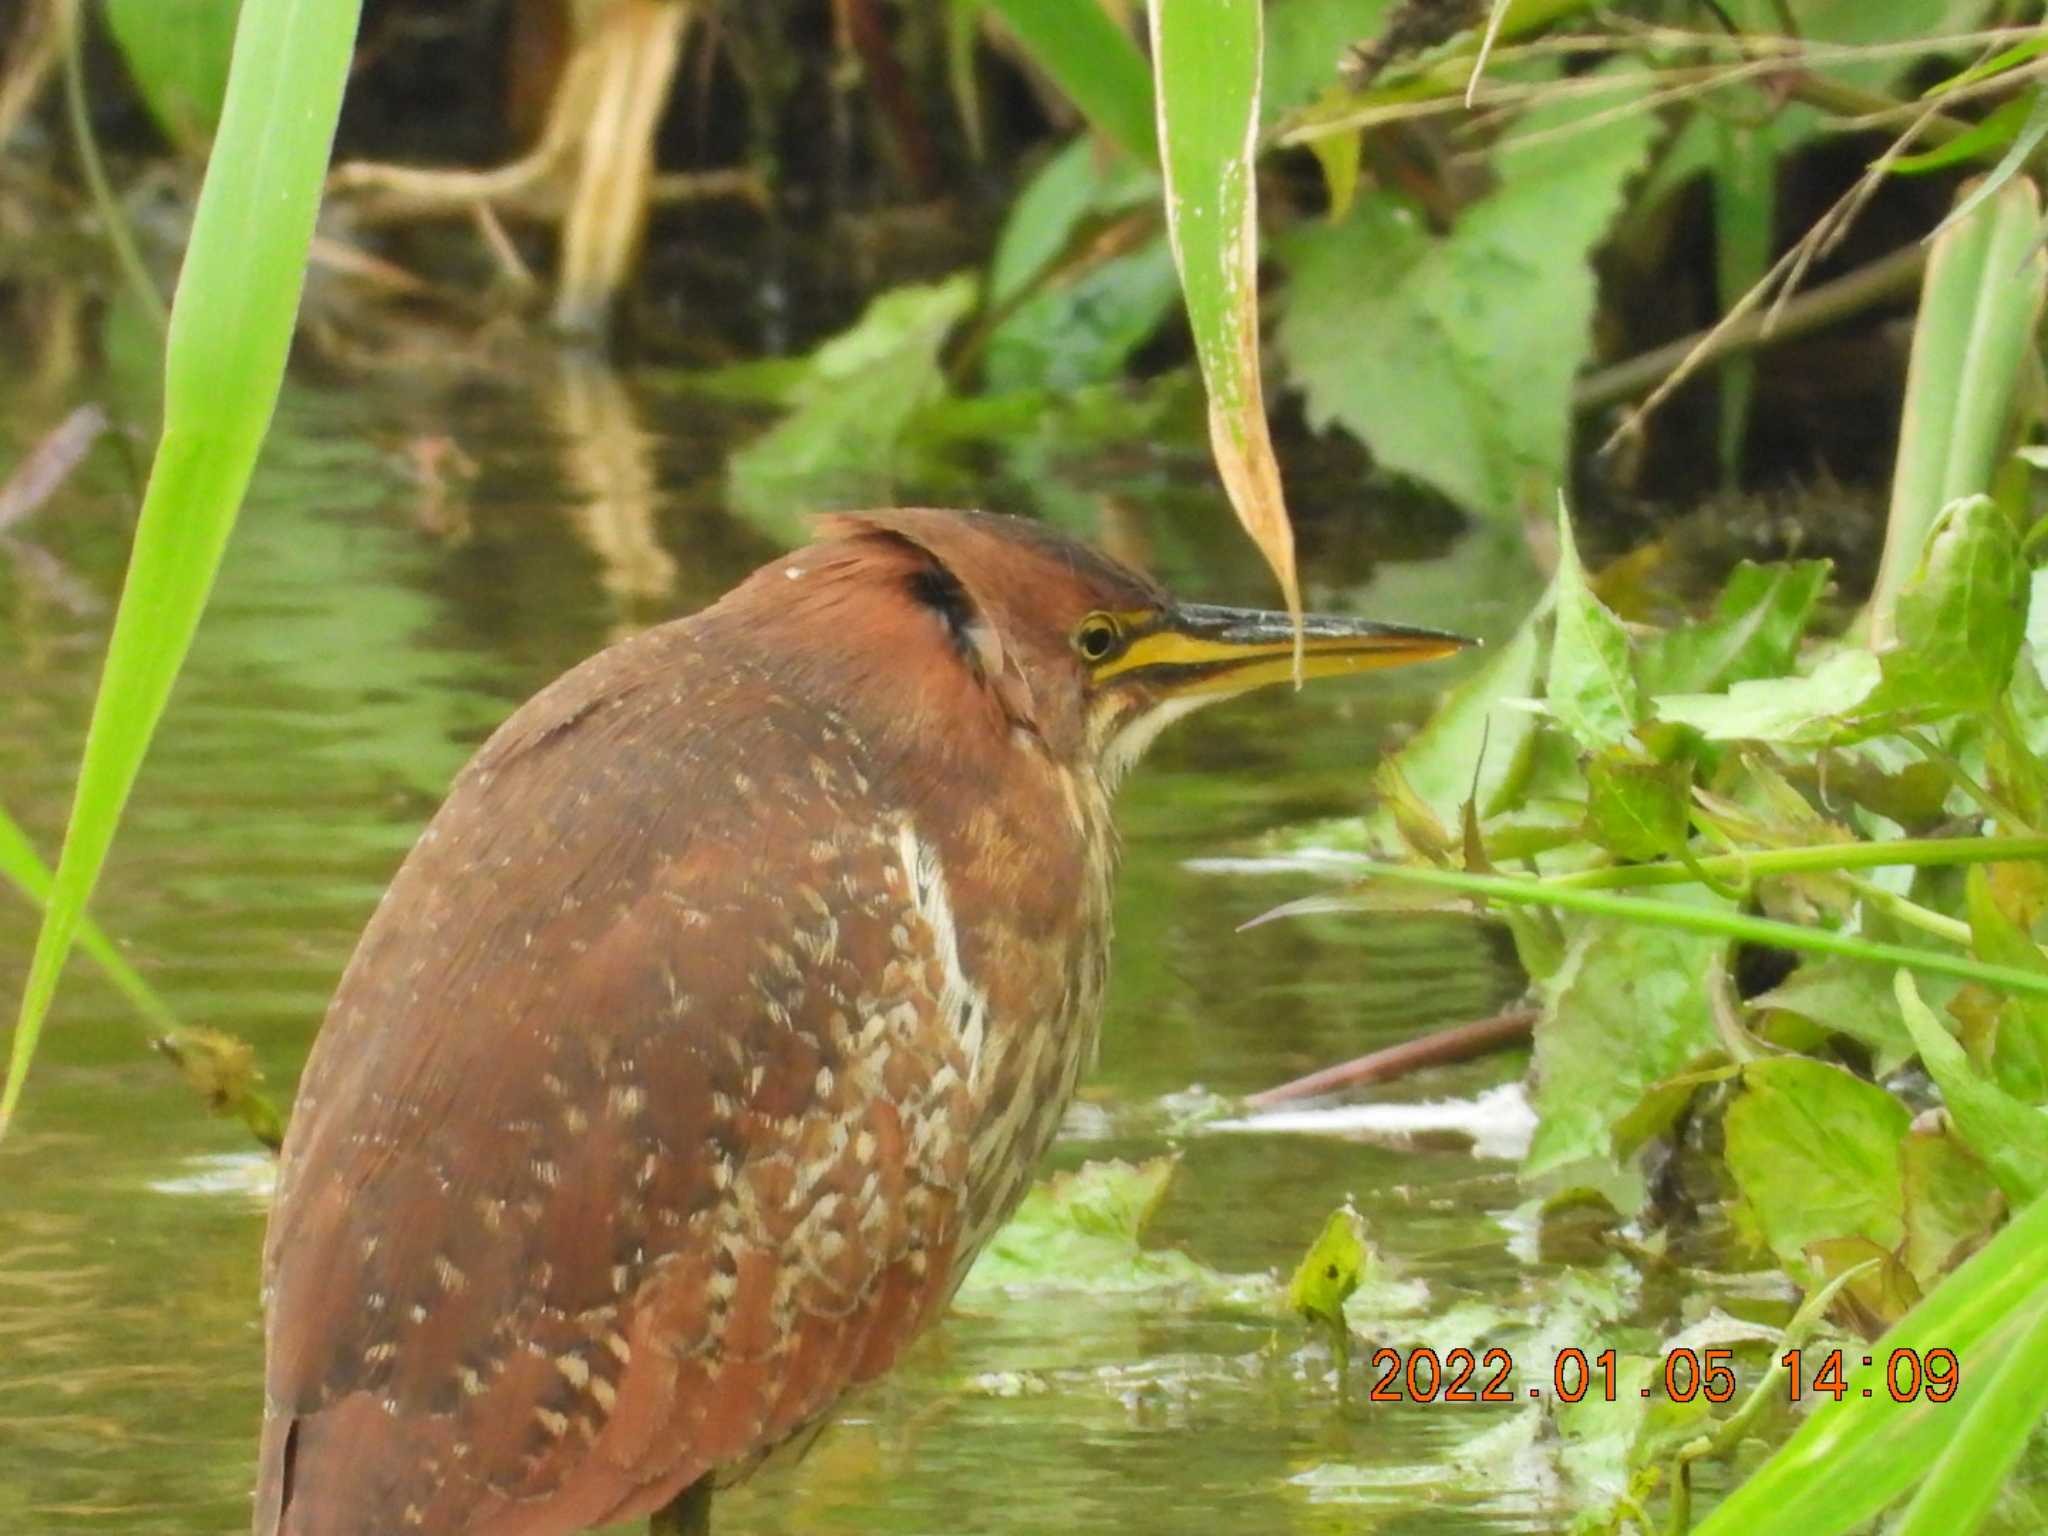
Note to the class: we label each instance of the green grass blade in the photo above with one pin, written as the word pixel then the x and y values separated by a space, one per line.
pixel 1207 59
pixel 24 868
pixel 178 52
pixel 1963 1484
pixel 113 218
pixel 231 329
pixel 1745 181
pixel 1735 926
pixel 1978 306
pixel 1095 62
pixel 2031 132
pixel 1856 1455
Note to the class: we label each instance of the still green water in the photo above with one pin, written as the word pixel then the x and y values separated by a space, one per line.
pixel 375 618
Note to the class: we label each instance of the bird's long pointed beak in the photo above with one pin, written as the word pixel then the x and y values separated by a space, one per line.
pixel 1197 648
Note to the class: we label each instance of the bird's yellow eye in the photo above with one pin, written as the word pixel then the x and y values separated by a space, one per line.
pixel 1097 637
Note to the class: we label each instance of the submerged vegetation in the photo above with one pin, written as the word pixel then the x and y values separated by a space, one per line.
pixel 1764 812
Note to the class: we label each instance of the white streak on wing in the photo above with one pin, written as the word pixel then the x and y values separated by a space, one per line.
pixel 962 1004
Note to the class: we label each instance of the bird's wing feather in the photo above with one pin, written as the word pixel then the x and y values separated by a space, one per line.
pixel 633 1137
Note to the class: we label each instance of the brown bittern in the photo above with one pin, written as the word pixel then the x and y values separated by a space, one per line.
pixel 716 1021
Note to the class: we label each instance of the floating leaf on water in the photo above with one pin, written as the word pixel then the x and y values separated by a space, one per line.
pixel 1080 1232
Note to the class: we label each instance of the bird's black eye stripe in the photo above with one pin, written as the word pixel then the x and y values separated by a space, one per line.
pixel 1098 637
pixel 939 590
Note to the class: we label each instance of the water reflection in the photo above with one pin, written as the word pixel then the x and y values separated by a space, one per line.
pixel 352 659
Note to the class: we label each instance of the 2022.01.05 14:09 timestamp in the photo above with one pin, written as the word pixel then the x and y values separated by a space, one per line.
pixel 1460 1376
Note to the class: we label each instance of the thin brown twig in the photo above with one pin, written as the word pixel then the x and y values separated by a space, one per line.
pixel 1458 1043
pixel 49 463
pixel 1884 278
pixel 1766 55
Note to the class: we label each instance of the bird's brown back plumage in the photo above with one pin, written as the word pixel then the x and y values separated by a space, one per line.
pixel 666 1097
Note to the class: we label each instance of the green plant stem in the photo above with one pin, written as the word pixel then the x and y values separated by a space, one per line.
pixel 1822 858
pixel 1733 926
pixel 126 256
pixel 1875 283
pixel 1911 913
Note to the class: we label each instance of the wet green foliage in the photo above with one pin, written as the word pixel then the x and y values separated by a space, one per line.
pixel 1082 1232
pixel 1425 346
pixel 1763 769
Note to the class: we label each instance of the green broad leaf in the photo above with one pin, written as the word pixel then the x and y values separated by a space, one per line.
pixel 1477 744
pixel 1626 1010
pixel 1081 1231
pixel 1429 348
pixel 1592 688
pixel 1951 1203
pixel 1814 1152
pixel 1754 632
pixel 839 447
pixel 1074 189
pixel 1959 623
pixel 1095 62
pixel 1876 1288
pixel 1786 711
pixel 230 332
pixel 2020 1052
pixel 177 51
pixel 1305 39
pixel 1637 810
pixel 2009 1137
pixel 1206 59
pixel 1083 331
pixel 1847 997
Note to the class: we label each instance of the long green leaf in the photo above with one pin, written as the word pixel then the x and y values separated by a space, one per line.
pixel 1095 62
pixel 1978 305
pixel 1207 58
pixel 21 865
pixel 231 329
pixel 1964 1481
pixel 1857 1454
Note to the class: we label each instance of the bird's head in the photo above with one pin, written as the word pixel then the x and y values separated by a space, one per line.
pixel 960 622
